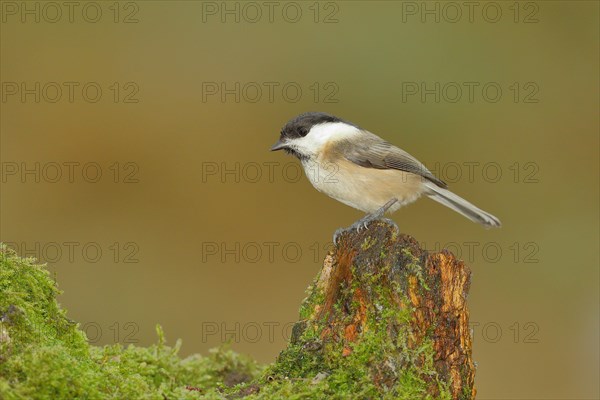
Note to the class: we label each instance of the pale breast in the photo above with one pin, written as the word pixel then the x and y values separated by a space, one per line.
pixel 366 189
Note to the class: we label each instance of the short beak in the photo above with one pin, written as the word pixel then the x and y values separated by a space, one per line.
pixel 279 145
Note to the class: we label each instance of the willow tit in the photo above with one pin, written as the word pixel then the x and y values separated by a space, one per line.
pixel 358 168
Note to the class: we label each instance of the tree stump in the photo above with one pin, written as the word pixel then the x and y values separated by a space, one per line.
pixel 384 319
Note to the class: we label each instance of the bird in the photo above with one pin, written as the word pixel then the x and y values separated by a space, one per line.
pixel 358 168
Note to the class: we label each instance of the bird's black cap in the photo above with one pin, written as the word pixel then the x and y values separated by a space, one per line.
pixel 301 125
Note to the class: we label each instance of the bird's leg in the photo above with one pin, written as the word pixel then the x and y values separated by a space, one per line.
pixel 364 221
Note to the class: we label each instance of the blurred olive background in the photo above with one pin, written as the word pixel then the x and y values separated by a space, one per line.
pixel 218 257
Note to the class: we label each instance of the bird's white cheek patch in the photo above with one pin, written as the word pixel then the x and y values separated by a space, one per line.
pixel 322 134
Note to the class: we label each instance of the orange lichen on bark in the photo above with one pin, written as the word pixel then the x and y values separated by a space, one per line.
pixel 452 337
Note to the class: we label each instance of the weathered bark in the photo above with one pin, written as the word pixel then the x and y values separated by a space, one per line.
pixel 395 308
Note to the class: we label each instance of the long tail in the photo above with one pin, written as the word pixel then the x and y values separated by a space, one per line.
pixel 460 205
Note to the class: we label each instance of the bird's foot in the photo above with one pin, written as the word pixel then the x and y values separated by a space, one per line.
pixel 364 222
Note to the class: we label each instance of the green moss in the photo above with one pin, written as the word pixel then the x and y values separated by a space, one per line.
pixel 43 355
pixel 413 265
pixel 368 242
pixel 314 297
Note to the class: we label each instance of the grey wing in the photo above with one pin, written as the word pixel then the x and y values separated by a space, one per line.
pixel 373 152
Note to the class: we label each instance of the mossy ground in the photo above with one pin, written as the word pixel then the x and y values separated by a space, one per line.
pixel 44 355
